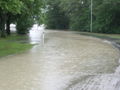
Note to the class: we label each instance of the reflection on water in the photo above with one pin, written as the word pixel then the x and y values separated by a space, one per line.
pixel 67 61
pixel 36 34
pixel 13 27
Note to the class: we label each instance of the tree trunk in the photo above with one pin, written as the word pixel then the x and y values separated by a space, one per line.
pixel 2 24
pixel 8 25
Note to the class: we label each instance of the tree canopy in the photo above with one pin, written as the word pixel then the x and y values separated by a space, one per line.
pixel 13 6
pixel 24 13
pixel 105 15
pixel 60 14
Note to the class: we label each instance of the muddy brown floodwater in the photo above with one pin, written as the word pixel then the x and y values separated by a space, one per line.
pixel 62 61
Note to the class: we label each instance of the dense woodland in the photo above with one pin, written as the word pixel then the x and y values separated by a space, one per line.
pixel 23 13
pixel 76 15
pixel 60 14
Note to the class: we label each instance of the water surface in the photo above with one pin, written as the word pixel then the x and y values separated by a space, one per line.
pixel 61 61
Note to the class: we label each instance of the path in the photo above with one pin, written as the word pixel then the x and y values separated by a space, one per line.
pixel 66 61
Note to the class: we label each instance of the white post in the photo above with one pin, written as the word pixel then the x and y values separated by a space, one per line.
pixel 91 26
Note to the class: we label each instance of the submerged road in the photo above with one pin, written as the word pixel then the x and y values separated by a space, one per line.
pixel 62 61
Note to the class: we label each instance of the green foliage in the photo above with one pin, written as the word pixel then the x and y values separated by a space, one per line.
pixel 23 12
pixel 24 23
pixel 8 46
pixel 78 13
pixel 8 6
pixel 31 13
pixel 106 15
pixel 60 14
pixel 13 6
pixel 55 17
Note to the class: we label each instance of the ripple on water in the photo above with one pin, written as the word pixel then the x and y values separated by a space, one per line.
pixel 66 61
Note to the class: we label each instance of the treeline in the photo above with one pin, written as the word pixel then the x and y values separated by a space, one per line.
pixel 76 15
pixel 60 14
pixel 23 13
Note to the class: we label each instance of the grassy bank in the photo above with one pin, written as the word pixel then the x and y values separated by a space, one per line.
pixel 13 45
pixel 111 37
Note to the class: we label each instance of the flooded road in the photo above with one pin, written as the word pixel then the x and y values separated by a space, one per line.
pixel 62 61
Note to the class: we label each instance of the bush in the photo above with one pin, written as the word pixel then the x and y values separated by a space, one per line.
pixel 56 18
pixel 24 24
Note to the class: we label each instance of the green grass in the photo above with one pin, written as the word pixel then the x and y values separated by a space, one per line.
pixel 112 37
pixel 99 35
pixel 11 45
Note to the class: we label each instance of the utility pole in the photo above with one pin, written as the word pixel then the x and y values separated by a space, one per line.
pixel 91 25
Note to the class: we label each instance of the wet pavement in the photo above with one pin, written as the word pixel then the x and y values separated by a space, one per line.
pixel 62 60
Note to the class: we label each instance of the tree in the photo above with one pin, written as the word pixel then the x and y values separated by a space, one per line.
pixel 107 17
pixel 13 6
pixel 55 16
pixel 30 14
pixel 23 12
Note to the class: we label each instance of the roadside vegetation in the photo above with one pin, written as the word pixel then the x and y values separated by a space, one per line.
pixel 24 14
pixel 60 14
pixel 56 14
pixel 100 35
pixel 111 37
pixel 12 45
pixel 76 15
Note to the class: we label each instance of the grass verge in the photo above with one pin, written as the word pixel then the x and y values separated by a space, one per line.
pixel 12 45
pixel 111 37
